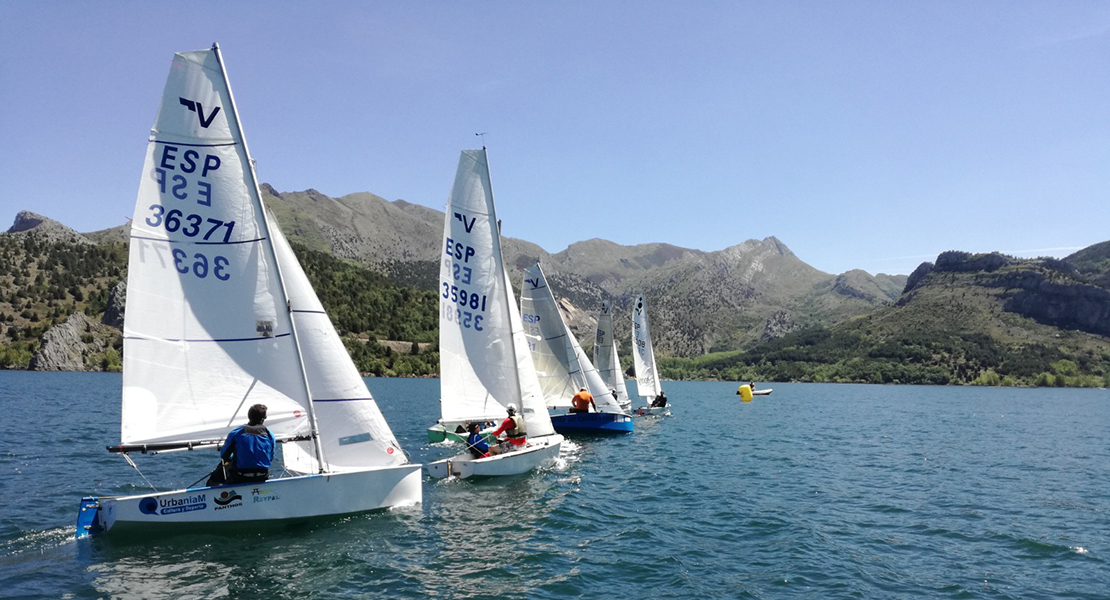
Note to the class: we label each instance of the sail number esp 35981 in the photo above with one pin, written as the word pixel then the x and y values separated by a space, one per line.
pixel 458 299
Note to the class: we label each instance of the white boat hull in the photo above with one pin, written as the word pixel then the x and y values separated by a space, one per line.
pixel 539 451
pixel 275 500
pixel 653 410
pixel 765 392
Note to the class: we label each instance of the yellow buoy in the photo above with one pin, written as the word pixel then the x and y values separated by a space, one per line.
pixel 745 392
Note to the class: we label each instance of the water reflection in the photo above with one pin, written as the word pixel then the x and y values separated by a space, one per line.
pixel 486 535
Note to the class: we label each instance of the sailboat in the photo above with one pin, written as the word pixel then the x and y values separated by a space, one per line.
pixel 484 363
pixel 220 316
pixel 606 359
pixel 647 376
pixel 562 365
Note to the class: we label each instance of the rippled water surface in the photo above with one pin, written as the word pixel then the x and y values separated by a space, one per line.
pixel 817 491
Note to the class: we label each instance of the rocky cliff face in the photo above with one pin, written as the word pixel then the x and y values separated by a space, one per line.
pixel 1046 290
pixel 76 345
pixel 117 301
pixel 29 223
pixel 1063 304
pixel 778 325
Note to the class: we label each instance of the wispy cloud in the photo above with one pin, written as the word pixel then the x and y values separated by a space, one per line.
pixel 1045 251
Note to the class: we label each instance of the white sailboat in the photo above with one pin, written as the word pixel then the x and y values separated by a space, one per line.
pixel 562 366
pixel 606 359
pixel 485 364
pixel 648 385
pixel 220 316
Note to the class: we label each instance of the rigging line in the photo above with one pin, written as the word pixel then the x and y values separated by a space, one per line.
pixel 231 421
pixel 202 478
pixel 168 241
pixel 137 470
pixel 154 141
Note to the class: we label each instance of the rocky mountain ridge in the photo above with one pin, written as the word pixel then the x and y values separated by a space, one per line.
pixel 700 300
pixel 740 297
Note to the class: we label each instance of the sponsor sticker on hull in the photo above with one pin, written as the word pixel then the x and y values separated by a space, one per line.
pixel 172 506
pixel 263 494
pixel 228 499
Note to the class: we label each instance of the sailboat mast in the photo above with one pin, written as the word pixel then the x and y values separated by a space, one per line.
pixel 256 195
pixel 508 282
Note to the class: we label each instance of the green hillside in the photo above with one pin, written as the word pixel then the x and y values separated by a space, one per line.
pixel 973 319
pixel 43 281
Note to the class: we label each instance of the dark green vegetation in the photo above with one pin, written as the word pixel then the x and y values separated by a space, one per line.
pixel 759 311
pixel 365 306
pixel 43 282
pixel 970 319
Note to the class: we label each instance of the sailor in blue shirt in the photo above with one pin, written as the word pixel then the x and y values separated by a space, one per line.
pixel 247 453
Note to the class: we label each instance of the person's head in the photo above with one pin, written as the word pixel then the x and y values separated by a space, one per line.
pixel 473 428
pixel 256 414
pixel 511 408
pixel 582 390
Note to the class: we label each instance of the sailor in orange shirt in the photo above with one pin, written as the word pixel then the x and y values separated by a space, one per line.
pixel 514 427
pixel 582 401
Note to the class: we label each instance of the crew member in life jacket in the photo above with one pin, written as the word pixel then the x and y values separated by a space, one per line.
pixel 513 427
pixel 581 402
pixel 247 453
pixel 477 445
pixel 660 401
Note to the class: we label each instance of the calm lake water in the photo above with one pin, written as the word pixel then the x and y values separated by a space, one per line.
pixel 817 491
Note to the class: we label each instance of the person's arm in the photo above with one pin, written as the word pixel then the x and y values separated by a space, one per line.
pixel 229 447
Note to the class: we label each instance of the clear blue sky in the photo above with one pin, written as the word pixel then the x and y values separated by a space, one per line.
pixel 867 135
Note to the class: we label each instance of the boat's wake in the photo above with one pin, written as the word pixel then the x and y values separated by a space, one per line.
pixel 37 541
pixel 569 453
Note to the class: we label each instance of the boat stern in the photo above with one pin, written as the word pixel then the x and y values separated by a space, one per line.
pixel 592 423
pixel 94 517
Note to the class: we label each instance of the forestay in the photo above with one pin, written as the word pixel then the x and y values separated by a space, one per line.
pixel 482 369
pixel 206 333
pixel 606 359
pixel 647 377
pixel 561 364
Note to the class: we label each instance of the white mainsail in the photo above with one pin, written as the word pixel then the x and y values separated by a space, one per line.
pixel 206 332
pixel 647 377
pixel 484 363
pixel 560 362
pixel 606 359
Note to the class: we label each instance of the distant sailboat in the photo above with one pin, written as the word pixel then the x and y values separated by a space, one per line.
pixel 562 366
pixel 219 317
pixel 606 359
pixel 648 385
pixel 484 361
